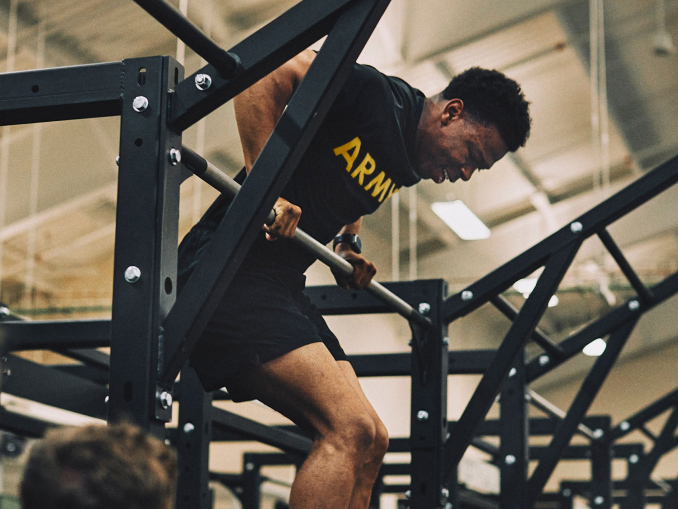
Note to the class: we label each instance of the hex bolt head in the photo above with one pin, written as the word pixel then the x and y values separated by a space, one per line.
pixel 249 466
pixel 510 459
pixel 165 400
pixel 140 103
pixel 624 425
pixel 446 341
pixel 512 373
pixel 544 360
pixel 598 500
pixel 633 459
pixel 598 433
pixel 576 227
pixel 174 156
pixel 444 495
pixel 132 274
pixel 448 505
pixel 422 415
pixel 203 81
pixel 634 305
pixel 189 427
pixel 567 492
pixel 424 308
pixel 467 295
pixel 117 160
pixel 408 494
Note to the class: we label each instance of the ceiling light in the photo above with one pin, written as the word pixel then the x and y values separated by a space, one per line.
pixel 595 348
pixel 525 286
pixel 553 301
pixel 462 221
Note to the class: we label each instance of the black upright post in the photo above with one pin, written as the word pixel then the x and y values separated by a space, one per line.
pixel 513 451
pixel 601 466
pixel 250 498
pixel 428 423
pixel 144 283
pixel 193 444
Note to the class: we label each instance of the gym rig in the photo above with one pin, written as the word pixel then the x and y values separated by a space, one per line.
pixel 152 331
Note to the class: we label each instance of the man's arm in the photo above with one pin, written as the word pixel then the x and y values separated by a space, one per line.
pixel 257 110
pixel 363 269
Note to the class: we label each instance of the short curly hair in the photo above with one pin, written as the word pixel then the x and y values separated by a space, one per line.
pixel 99 467
pixel 492 98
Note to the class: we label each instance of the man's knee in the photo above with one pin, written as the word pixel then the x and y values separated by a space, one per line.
pixel 355 434
pixel 380 446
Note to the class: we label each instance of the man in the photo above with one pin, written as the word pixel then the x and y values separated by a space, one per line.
pixel 99 467
pixel 266 341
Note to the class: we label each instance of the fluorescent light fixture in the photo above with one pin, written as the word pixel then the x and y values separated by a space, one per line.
pixel 595 348
pixel 462 221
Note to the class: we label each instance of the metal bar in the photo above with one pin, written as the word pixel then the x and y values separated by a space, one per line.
pixel 272 169
pixel 62 93
pixel 146 238
pixel 259 54
pixel 601 469
pixel 648 413
pixel 552 410
pixel 639 474
pixel 538 335
pixel 252 430
pixel 643 293
pixel 647 433
pixel 603 326
pixel 634 195
pixel 583 452
pixel 226 185
pixel 24 425
pixel 514 437
pixel 189 33
pixel 587 392
pixel 527 320
pixel 50 334
pixel 460 362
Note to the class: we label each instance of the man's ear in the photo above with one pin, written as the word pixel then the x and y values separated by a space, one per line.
pixel 452 110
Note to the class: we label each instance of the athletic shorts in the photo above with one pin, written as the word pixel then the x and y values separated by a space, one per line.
pixel 263 316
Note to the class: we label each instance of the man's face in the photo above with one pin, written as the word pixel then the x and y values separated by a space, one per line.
pixel 454 146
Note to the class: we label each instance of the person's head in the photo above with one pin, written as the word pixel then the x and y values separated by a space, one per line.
pixel 99 467
pixel 470 125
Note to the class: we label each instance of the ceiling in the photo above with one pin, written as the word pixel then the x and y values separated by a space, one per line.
pixel 58 214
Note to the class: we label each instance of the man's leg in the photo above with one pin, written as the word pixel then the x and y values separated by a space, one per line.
pixel 370 469
pixel 308 386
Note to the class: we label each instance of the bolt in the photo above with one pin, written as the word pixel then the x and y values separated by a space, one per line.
pixel 598 500
pixel 512 373
pixel 174 156
pixel 467 295
pixel 203 81
pixel 165 400
pixel 4 311
pixel 140 103
pixel 132 274
pixel 249 466
pixel 576 227
pixel 528 398
pixel 446 341
pixel 408 494
pixel 448 506
pixel 510 459
pixel 188 427
pixel 634 305
pixel 544 360
pixel 444 495
pixel 117 160
pixel 598 433
pixel 567 492
pixel 106 399
pixel 424 308
pixel 633 459
pixel 422 415
pixel 624 425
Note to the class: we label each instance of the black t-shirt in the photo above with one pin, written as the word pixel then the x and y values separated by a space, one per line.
pixel 358 158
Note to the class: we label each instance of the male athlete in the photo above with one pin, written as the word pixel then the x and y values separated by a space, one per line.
pixel 266 341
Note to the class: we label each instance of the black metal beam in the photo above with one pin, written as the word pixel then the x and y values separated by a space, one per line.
pixel 590 223
pixel 63 93
pixel 24 425
pixel 461 362
pixel 643 416
pixel 270 173
pixel 259 54
pixel 587 393
pixel 515 340
pixel 61 334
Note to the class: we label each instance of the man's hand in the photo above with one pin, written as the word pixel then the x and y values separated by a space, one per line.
pixel 287 217
pixel 363 270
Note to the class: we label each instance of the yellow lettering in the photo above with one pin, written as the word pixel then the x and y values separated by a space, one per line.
pixel 349 151
pixel 379 186
pixel 365 168
pixel 393 191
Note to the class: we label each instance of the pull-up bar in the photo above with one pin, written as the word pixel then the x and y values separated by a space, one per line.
pixel 223 183
pixel 226 63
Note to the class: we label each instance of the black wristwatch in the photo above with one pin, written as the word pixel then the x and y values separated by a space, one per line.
pixel 351 239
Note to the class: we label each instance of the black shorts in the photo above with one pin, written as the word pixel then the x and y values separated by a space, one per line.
pixel 263 316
